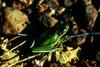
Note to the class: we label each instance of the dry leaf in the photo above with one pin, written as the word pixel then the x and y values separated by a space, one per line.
pixel 68 56
pixel 58 56
pixel 49 57
pixel 8 57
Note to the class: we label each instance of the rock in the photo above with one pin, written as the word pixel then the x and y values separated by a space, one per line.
pixel 87 2
pixel 48 21
pixel 27 2
pixel 60 10
pixel 92 15
pixel 15 21
pixel 51 12
pixel 68 2
pixel 42 7
pixel 98 56
pixel 53 3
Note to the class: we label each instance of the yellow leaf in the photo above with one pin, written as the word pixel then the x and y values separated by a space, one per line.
pixel 58 56
pixel 49 57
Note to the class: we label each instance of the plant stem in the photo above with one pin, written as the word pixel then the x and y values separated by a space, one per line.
pixel 81 35
pixel 13 48
pixel 24 60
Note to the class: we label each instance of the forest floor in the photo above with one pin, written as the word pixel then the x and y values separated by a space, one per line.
pixel 53 33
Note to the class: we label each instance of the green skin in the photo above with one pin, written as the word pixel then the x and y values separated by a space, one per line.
pixel 47 41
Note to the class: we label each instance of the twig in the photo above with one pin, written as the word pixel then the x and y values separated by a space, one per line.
pixel 18 46
pixel 14 38
pixel 23 35
pixel 24 60
pixel 13 48
pixel 32 44
pixel 81 35
pixel 86 34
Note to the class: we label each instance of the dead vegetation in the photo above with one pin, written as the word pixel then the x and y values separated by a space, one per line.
pixel 54 33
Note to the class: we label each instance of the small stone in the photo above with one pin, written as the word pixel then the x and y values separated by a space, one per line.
pixel 27 2
pixel 48 21
pixel 42 7
pixel 68 2
pixel 75 27
pixel 15 21
pixel 92 14
pixel 51 12
pixel 81 40
pixel 87 2
pixel 99 10
pixel 17 5
pixel 4 4
pixel 98 56
pixel 60 10
pixel 53 3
